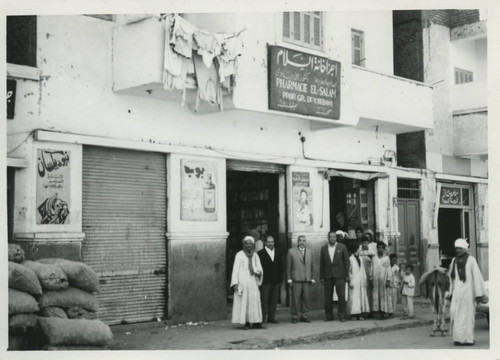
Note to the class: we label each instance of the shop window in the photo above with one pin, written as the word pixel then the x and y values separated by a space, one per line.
pixel 358 47
pixel 463 76
pixel 303 28
pixel 21 40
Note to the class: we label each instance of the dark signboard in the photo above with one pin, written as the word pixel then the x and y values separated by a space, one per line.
pixel 11 98
pixel 304 84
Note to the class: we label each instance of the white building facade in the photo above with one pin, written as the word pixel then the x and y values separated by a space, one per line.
pixel 155 191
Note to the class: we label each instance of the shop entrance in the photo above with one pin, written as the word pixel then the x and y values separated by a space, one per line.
pixel 455 220
pixel 254 201
pixel 351 205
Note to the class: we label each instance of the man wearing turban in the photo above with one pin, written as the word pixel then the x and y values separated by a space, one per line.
pixel 467 288
pixel 245 280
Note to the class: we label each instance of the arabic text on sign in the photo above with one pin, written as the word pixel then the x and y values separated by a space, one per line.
pixel 450 196
pixel 315 63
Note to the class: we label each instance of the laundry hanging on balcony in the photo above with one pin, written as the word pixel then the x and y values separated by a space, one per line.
pixel 215 72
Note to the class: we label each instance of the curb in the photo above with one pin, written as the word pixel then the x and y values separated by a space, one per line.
pixel 265 344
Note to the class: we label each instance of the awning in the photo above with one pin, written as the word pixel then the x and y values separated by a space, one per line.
pixel 365 176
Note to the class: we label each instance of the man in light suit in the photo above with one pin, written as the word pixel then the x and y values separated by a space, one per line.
pixel 299 267
pixel 333 272
pixel 271 262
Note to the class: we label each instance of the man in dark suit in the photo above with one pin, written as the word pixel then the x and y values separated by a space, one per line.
pixel 273 276
pixel 299 268
pixel 333 272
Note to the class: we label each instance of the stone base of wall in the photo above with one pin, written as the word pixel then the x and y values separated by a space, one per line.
pixel 197 277
pixel 42 245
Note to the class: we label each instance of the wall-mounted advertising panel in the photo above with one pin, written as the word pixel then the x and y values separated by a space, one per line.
pixel 303 84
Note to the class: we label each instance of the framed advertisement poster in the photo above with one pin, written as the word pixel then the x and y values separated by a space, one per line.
pixel 53 186
pixel 198 190
pixel 302 202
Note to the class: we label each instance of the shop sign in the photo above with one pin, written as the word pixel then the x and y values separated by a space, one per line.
pixel 198 190
pixel 302 202
pixel 303 84
pixel 53 186
pixel 11 98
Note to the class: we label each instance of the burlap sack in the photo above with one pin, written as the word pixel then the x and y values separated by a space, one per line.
pixel 24 279
pixel 53 311
pixel 17 321
pixel 76 332
pixel 51 277
pixel 76 312
pixel 16 253
pixel 69 297
pixel 79 274
pixel 16 342
pixel 21 302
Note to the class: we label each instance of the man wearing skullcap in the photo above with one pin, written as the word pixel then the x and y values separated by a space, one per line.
pixel 245 281
pixel 467 287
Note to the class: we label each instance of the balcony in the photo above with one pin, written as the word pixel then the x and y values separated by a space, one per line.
pixel 138 55
pixel 469 97
pixel 390 103
pixel 470 135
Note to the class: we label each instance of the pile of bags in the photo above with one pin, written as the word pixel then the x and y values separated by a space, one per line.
pixel 52 305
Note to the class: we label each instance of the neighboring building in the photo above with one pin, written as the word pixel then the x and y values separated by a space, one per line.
pixel 107 167
pixel 448 49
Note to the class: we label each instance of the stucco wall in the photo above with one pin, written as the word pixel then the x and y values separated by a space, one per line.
pixel 75 57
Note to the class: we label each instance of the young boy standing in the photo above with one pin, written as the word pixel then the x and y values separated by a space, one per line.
pixel 408 291
pixel 395 281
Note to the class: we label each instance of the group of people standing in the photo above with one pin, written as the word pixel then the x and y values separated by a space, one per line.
pixel 367 282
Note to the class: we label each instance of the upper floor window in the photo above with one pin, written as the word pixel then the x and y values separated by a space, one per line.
pixel 303 28
pixel 21 40
pixel 463 76
pixel 358 47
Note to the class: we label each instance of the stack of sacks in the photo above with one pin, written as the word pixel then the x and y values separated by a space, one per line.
pixel 69 319
pixel 24 290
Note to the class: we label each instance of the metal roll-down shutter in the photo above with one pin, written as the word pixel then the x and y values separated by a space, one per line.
pixel 124 220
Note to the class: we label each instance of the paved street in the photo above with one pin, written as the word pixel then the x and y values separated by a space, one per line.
pixel 409 338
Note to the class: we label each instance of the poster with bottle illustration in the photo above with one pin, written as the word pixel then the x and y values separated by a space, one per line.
pixel 198 190
pixel 302 202
pixel 52 187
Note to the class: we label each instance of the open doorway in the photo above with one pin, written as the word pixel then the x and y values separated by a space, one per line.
pixel 449 229
pixel 10 203
pixel 252 205
pixel 351 205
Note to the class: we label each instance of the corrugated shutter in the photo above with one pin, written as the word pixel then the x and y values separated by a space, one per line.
pixel 239 165
pixel 124 220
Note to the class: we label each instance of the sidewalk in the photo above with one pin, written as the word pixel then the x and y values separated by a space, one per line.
pixel 222 335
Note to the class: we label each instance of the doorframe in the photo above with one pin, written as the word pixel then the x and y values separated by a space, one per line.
pixel 464 208
pixel 283 221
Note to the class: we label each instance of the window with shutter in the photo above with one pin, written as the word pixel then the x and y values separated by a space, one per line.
pixel 286 25
pixel 358 47
pixel 303 28
pixel 463 76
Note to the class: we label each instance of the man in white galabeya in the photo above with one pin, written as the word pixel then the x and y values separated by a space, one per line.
pixel 467 287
